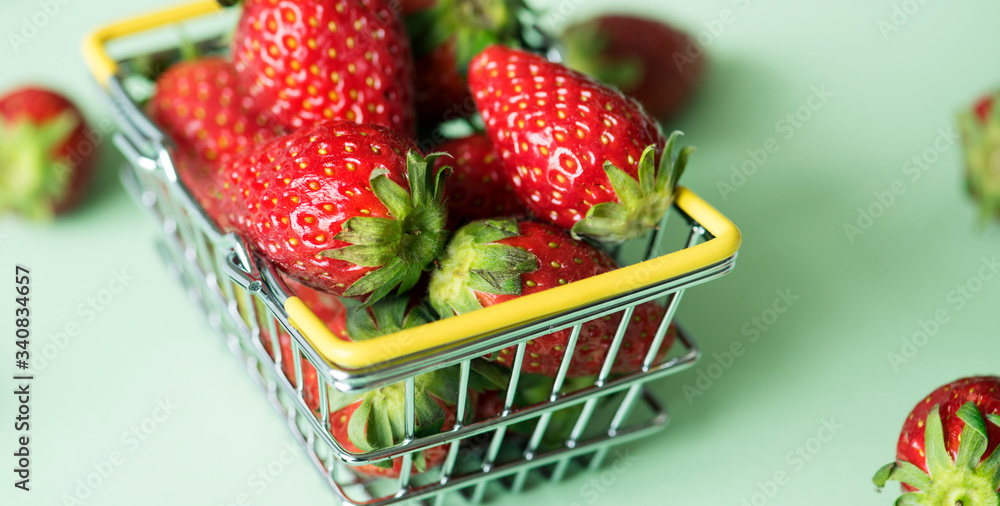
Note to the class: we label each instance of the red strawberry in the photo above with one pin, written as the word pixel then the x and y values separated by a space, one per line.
pixel 477 188
pixel 201 107
pixel 307 61
pixel 493 261
pixel 981 139
pixel 446 34
pixel 643 58
pixel 428 459
pixel 946 453
pixel 46 155
pixel 375 420
pixel 349 209
pixel 580 154
pixel 329 309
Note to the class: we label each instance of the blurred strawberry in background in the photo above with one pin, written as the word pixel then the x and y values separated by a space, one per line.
pixel 645 59
pixel 46 157
pixel 981 139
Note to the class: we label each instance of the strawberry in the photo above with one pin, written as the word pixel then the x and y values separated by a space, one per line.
pixel 375 420
pixel 493 261
pixel 353 210
pixel 201 107
pixel 947 454
pixel 534 389
pixel 446 34
pixel 581 155
pixel 981 139
pixel 477 188
pixel 307 61
pixel 46 153
pixel 329 309
pixel 643 58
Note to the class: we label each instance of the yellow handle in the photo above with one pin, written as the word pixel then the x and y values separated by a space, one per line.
pixel 455 330
pixel 95 54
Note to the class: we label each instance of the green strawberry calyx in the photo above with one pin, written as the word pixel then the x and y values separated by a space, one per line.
pixel 33 180
pixel 981 140
pixel 641 204
pixel 472 24
pixel 379 422
pixel 474 262
pixel 404 244
pixel 968 480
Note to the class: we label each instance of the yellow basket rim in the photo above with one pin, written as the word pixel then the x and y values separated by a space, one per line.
pixel 489 320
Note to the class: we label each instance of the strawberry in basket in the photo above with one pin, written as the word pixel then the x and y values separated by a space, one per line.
pixel 658 65
pixel 353 210
pixel 200 105
pixel 947 453
pixel 375 420
pixel 493 261
pixel 477 188
pixel 981 139
pixel 330 310
pixel 46 153
pixel 580 155
pixel 307 61
pixel 446 34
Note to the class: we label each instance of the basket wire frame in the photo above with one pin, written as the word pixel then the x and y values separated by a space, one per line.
pixel 243 297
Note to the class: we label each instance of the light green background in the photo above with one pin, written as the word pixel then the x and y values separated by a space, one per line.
pixel 825 358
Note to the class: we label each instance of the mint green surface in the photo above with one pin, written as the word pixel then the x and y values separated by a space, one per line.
pixel 821 369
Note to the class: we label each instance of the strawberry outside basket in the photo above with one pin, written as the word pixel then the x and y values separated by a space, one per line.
pixel 241 292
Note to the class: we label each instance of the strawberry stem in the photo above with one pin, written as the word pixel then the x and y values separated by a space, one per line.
pixel 403 245
pixel 966 481
pixel 474 263
pixel 641 203
pixel 33 180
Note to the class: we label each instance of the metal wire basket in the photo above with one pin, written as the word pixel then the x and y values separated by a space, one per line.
pixel 244 299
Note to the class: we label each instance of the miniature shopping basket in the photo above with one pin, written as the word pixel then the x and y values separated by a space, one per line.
pixel 246 300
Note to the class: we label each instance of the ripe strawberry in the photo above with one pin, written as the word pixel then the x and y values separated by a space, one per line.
pixel 477 188
pixel 493 261
pixel 375 420
pixel 46 153
pixel 353 210
pixel 946 454
pixel 329 309
pixel 307 61
pixel 645 59
pixel 446 34
pixel 580 154
pixel 981 139
pixel 535 389
pixel 201 107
